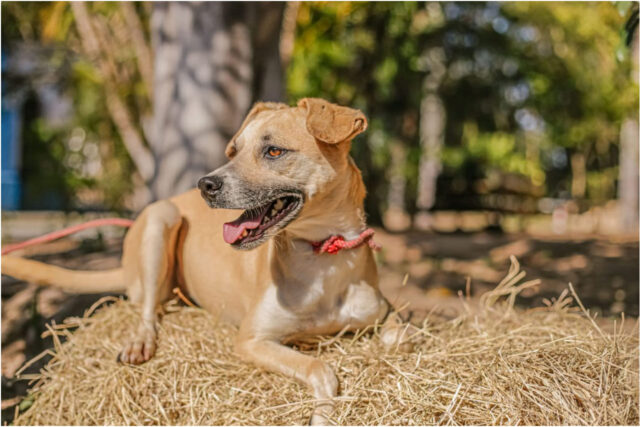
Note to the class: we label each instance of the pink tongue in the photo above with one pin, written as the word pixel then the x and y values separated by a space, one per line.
pixel 231 231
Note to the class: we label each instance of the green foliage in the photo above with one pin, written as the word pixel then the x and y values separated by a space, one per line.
pixel 525 86
pixel 494 151
pixel 523 80
pixel 361 54
pixel 56 175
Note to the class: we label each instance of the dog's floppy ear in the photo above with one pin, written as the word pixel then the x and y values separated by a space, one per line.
pixel 258 107
pixel 331 123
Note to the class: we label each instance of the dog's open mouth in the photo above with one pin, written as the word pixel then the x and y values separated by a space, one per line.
pixel 254 223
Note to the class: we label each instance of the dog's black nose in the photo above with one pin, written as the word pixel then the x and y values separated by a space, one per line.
pixel 210 185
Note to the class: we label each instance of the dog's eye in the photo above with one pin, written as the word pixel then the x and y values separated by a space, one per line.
pixel 275 152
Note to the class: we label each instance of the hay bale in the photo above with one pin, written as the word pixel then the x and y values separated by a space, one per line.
pixel 495 365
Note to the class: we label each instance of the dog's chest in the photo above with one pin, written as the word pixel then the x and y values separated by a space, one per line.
pixel 322 295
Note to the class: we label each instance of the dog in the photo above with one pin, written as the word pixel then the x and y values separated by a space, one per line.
pixel 290 173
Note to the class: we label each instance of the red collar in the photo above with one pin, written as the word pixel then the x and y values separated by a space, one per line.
pixel 334 244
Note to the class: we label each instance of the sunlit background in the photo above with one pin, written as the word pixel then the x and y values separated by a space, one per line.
pixel 514 107
pixel 495 129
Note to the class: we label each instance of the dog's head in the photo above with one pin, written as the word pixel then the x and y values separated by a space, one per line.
pixel 280 159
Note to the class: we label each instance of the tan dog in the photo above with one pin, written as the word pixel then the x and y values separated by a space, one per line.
pixel 291 173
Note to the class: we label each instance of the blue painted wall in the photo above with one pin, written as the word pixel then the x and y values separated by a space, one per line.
pixel 11 151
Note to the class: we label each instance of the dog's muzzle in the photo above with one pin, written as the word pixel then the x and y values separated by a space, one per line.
pixel 266 210
pixel 210 187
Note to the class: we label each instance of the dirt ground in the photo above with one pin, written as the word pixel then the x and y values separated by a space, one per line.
pixel 603 270
pixel 424 270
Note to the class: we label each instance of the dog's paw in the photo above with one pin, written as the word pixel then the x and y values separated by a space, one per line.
pixel 138 350
pixel 320 416
pixel 318 420
pixel 397 336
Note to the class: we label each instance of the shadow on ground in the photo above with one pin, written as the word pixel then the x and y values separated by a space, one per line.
pixel 604 271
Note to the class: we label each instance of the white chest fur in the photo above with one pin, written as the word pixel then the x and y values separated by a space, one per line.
pixel 314 294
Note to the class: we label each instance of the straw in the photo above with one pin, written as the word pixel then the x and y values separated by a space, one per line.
pixel 496 364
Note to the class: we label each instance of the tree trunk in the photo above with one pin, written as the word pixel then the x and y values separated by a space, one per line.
pixel 212 61
pixel 432 125
pixel 578 176
pixel 122 118
pixel 431 136
pixel 628 174
pixel 396 217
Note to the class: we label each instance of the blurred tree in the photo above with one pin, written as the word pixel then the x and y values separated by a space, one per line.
pixel 532 96
pixel 432 127
pixel 506 68
pixel 99 41
pixel 99 148
pixel 629 139
pixel 212 61
pixel 360 54
pixel 582 111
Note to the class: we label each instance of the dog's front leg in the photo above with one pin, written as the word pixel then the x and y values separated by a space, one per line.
pixel 154 265
pixel 313 372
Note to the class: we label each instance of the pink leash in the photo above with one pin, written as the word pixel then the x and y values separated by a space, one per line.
pixel 331 245
pixel 336 243
pixel 121 222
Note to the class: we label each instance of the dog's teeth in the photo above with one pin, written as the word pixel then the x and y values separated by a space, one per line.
pixel 273 212
pixel 244 233
pixel 279 204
